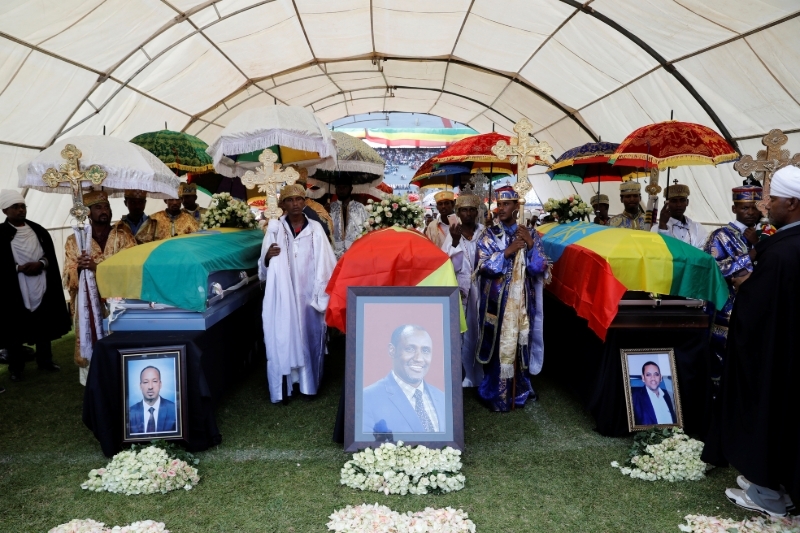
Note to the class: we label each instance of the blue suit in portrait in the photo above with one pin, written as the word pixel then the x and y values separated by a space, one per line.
pixel 166 417
pixel 643 412
pixel 386 408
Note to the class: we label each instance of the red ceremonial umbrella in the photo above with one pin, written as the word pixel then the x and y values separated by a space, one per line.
pixel 478 149
pixel 388 257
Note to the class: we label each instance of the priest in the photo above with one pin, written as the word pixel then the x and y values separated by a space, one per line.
pixel 348 218
pixel 187 192
pixel 633 217
pixel 173 221
pixel 314 210
pixel 673 221
pixel 142 226
pixel 510 342
pixel 438 228
pixel 760 431
pixel 296 264
pixel 105 240
pixel 600 205
pixel 34 309
pixel 733 247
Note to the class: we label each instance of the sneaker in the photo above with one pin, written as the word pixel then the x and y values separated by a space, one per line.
pixel 744 484
pixel 739 497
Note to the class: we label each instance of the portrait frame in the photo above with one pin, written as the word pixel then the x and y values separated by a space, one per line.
pixel 171 364
pixel 374 314
pixel 639 406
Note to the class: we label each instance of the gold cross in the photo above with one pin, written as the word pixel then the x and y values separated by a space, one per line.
pixel 268 177
pixel 767 163
pixel 70 172
pixel 518 153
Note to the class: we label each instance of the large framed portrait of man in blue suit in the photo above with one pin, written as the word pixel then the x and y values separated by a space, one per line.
pixel 651 389
pixel 403 371
pixel 153 385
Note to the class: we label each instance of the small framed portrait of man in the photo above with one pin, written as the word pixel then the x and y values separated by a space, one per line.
pixel 153 385
pixel 403 367
pixel 651 389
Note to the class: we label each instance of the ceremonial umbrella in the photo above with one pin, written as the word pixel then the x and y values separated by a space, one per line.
pixel 589 164
pixel 301 137
pixel 594 265
pixel 357 164
pixel 449 175
pixel 388 257
pixel 213 183
pixel 127 166
pixel 177 150
pixel 477 149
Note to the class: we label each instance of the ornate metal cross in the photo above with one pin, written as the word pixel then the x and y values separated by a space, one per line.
pixel 70 172
pixel 479 186
pixel 518 152
pixel 268 177
pixel 768 161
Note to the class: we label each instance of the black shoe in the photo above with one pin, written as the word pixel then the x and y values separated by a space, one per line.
pixel 50 367
pixel 16 377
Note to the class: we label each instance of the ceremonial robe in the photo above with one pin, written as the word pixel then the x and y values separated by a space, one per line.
pixel 347 229
pixel 315 211
pixel 495 277
pixel 437 232
pixel 168 226
pixel 144 231
pixel 760 405
pixel 691 232
pixel 626 220
pixel 294 305
pixel 196 213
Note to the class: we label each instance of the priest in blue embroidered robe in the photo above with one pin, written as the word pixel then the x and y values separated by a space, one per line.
pixel 512 267
pixel 733 248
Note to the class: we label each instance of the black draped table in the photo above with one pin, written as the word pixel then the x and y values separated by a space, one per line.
pixel 592 369
pixel 214 359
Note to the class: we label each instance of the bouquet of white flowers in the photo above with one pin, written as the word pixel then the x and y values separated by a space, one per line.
pixel 393 210
pixel 148 471
pixel 366 518
pixel 757 524
pixel 670 455
pixel 568 209
pixel 226 211
pixel 91 526
pixel 399 469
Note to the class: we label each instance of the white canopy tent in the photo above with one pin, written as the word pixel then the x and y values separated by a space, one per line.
pixel 578 71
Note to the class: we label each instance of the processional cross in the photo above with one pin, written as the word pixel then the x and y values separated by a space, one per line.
pixel 478 186
pixel 767 163
pixel 518 152
pixel 70 172
pixel 268 176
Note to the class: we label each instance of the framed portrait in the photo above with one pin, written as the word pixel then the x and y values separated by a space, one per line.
pixel 153 393
pixel 652 395
pixel 403 369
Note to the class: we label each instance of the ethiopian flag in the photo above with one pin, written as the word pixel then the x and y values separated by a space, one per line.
pixel 389 257
pixel 594 265
pixel 175 271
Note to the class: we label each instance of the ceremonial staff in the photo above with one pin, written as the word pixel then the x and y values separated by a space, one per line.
pixel 268 177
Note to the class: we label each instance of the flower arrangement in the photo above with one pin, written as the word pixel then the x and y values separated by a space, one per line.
pixel 148 471
pixel 370 518
pixel 393 210
pixel 568 209
pixel 90 526
pixel 400 469
pixel 667 454
pixel 226 211
pixel 759 524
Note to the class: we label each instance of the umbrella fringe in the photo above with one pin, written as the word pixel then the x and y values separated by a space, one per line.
pixel 191 168
pixel 676 160
pixel 263 139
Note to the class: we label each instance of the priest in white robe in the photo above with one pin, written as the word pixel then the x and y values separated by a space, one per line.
pixel 674 223
pixel 296 264
pixel 461 245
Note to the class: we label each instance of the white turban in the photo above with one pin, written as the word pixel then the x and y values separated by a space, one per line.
pixel 785 183
pixel 9 197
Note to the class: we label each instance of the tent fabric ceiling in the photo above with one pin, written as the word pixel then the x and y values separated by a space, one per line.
pixel 577 71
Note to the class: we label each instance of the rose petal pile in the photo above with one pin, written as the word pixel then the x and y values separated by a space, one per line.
pixel 676 458
pixel 393 210
pixel 568 209
pixel 90 526
pixel 148 471
pixel 400 469
pixel 759 524
pixel 226 211
pixel 372 518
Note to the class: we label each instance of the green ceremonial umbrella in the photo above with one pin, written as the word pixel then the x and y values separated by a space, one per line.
pixel 177 150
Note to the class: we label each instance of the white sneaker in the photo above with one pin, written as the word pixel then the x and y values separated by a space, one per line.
pixel 740 498
pixel 744 484
pixel 467 383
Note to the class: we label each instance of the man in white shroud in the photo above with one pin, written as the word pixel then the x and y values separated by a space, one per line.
pixel 296 263
pixel 461 245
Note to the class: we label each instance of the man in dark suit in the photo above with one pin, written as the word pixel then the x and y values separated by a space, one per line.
pixel 153 414
pixel 402 402
pixel 651 404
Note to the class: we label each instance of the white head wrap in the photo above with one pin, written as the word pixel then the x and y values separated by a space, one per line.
pixel 786 183
pixel 9 197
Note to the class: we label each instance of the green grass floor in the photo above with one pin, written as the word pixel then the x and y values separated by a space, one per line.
pixel 539 469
